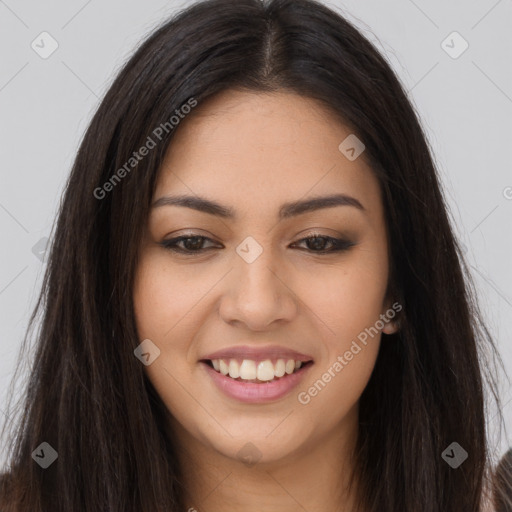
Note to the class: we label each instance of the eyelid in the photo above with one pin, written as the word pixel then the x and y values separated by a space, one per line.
pixel 166 243
pixel 340 243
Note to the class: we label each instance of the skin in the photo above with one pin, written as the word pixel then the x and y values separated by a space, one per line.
pixel 253 152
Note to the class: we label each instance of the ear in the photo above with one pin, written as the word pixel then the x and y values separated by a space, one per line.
pixel 390 315
pixel 391 327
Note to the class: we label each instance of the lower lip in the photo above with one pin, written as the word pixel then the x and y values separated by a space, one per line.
pixel 251 392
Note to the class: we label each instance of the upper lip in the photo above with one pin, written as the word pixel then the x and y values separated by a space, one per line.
pixel 258 353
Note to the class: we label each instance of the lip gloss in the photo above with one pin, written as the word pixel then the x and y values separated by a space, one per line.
pixel 253 392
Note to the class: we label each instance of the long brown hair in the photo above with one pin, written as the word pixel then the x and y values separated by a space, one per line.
pixel 87 395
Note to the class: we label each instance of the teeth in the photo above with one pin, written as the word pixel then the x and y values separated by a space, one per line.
pixel 250 370
pixel 265 370
pixel 247 369
pixel 279 369
pixel 234 371
pixel 223 367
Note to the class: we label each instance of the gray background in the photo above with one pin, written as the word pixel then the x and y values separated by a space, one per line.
pixel 465 104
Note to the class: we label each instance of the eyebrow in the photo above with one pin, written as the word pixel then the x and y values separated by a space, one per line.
pixel 286 211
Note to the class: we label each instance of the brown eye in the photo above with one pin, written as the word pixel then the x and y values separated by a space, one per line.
pixel 194 244
pixel 326 244
pixel 191 244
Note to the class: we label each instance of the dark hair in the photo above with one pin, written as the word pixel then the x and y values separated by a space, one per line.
pixel 88 396
pixel 503 484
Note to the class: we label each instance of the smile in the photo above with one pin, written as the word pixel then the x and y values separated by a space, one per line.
pixel 255 382
pixel 253 371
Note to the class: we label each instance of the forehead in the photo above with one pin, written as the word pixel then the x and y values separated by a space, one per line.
pixel 258 150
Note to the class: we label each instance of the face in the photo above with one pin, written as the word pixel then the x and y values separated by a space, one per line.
pixel 261 279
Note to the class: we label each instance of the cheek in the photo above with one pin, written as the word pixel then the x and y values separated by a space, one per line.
pixel 161 303
pixel 348 301
pixel 151 295
pixel 350 304
pixel 348 297
pixel 163 296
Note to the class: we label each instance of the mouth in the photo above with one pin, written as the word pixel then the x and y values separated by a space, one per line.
pixel 255 382
pixel 257 372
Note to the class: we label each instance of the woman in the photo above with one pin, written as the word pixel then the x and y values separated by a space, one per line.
pixel 254 298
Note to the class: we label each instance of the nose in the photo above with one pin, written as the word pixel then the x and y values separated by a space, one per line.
pixel 258 294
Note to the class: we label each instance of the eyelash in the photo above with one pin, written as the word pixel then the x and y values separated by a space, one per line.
pixel 339 244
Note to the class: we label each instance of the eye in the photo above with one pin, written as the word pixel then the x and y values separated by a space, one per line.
pixel 315 243
pixel 192 244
